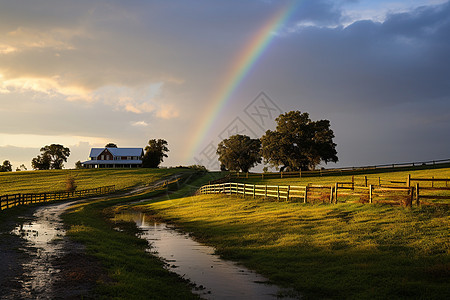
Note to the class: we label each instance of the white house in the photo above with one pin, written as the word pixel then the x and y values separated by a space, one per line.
pixel 114 158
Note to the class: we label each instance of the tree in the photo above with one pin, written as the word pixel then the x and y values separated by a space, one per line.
pixel 298 143
pixel 111 145
pixel 154 153
pixel 239 152
pixel 41 162
pixel 52 157
pixel 6 166
pixel 21 168
pixel 78 165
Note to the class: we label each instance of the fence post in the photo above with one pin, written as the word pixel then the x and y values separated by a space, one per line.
pixel 265 192
pixel 254 192
pixel 411 197
pixel 417 194
pixel 278 192
pixel 336 193
pixel 370 194
pixel 288 190
pixel 247 175
pixel 281 175
pixel 331 194
pixel 245 188
pixel 408 180
pixel 305 200
pixel 300 173
pixel 353 182
pixel 432 177
pixel 365 180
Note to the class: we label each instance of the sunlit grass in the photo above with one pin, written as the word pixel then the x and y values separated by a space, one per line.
pixel 336 251
pixel 384 178
pixel 55 180
pixel 134 272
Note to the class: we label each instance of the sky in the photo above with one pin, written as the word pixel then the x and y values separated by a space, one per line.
pixel 86 73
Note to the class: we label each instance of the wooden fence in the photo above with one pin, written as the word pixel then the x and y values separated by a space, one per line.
pixel 344 171
pixel 8 201
pixel 344 191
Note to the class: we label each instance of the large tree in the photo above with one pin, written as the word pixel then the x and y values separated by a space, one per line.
pixel 6 166
pixel 239 152
pixel 52 157
pixel 298 143
pixel 154 153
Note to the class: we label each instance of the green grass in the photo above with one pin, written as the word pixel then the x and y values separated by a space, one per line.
pixel 397 178
pixel 344 251
pixel 55 180
pixel 373 178
pixel 134 272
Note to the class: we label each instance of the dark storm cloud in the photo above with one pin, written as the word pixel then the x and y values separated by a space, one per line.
pixel 368 64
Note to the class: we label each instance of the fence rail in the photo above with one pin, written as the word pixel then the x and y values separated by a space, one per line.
pixel 404 195
pixel 8 201
pixel 341 171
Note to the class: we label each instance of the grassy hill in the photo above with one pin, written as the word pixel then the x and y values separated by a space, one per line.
pixel 54 180
pixel 343 251
pixel 372 178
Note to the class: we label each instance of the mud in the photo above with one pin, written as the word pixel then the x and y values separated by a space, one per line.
pixel 39 262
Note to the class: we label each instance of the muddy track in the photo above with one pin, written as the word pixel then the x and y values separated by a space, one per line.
pixel 37 260
pixel 41 259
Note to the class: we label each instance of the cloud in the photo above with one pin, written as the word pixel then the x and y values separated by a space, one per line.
pixel 167 111
pixel 366 64
pixel 139 124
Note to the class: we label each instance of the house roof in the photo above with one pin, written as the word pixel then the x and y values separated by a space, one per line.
pixel 118 151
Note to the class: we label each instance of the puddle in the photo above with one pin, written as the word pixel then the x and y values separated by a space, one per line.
pixel 214 277
pixel 43 235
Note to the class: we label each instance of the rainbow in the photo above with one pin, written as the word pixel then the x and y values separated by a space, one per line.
pixel 247 58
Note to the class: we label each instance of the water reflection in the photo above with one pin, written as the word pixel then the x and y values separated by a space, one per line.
pixel 220 279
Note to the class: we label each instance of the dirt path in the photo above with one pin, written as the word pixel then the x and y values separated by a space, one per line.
pixel 37 260
pixel 41 258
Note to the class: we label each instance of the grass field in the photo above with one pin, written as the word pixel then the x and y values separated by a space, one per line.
pixel 350 251
pixel 372 178
pixel 55 180
pixel 344 251
pixel 385 179
pixel 134 273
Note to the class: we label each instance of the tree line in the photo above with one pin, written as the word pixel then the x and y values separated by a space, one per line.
pixel 297 143
pixel 52 157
